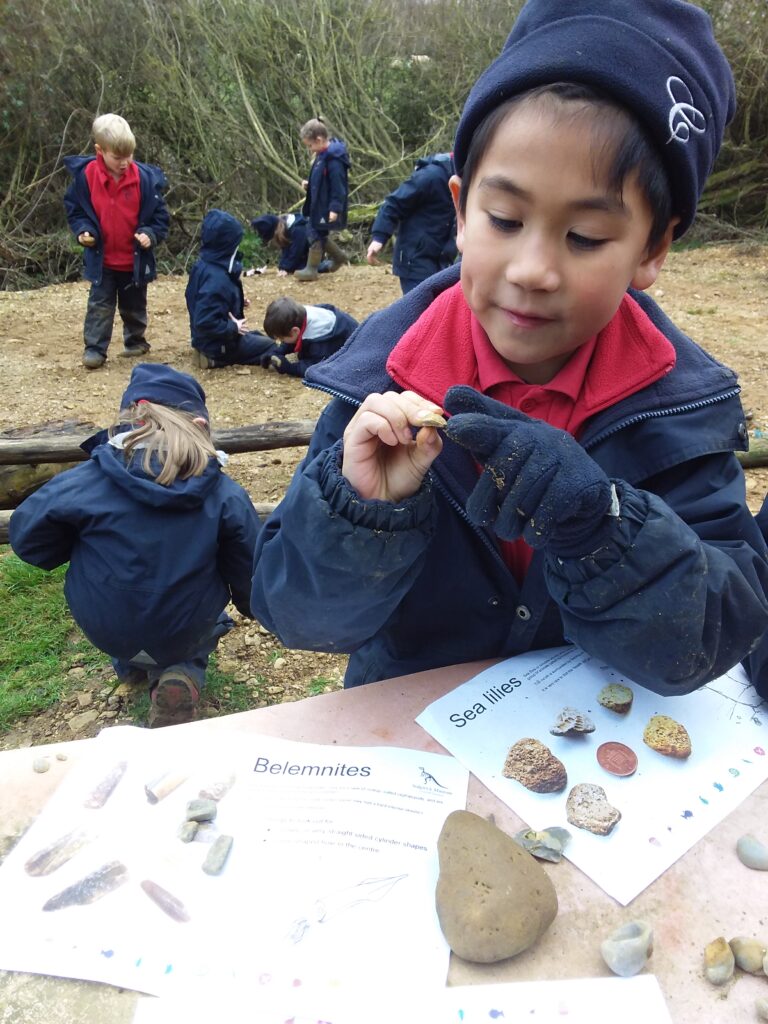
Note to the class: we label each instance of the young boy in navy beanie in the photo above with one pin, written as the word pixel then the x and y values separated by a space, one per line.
pixel 585 488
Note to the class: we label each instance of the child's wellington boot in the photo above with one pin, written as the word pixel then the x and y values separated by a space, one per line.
pixel 338 257
pixel 310 272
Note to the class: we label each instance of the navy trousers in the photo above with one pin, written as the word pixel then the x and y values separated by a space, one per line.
pixel 116 290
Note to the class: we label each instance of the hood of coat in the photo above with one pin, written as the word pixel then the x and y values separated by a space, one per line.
pixel 131 478
pixel 220 236
pixel 338 151
pixel 443 161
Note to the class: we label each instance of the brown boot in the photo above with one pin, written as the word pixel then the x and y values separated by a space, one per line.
pixel 310 272
pixel 338 257
pixel 174 700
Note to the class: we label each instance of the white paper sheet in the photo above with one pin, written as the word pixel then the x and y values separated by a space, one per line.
pixel 635 1000
pixel 666 806
pixel 330 879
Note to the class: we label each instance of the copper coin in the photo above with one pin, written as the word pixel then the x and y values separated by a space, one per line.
pixel 617 758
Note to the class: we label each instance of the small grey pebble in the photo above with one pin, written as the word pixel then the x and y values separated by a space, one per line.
pixel 61 757
pixel 41 764
pixel 761 1005
pixel 201 810
pixel 187 831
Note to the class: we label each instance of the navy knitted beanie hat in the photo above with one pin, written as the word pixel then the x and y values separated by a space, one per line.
pixel 156 382
pixel 657 58
pixel 265 226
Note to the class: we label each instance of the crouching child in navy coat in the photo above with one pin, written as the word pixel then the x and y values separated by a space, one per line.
pixel 215 300
pixel 585 488
pixel 307 334
pixel 158 539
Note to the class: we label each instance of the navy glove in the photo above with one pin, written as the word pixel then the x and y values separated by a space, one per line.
pixel 537 483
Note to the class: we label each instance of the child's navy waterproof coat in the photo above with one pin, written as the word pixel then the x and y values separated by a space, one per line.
pixel 151 567
pixel 214 289
pixel 421 213
pixel 415 585
pixel 153 219
pixel 328 188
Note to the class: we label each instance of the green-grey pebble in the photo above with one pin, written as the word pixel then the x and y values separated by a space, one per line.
pixel 201 810
pixel 216 857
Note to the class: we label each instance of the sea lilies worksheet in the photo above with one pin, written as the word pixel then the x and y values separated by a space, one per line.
pixel 644 776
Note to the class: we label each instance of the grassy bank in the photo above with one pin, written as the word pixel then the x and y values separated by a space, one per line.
pixel 44 655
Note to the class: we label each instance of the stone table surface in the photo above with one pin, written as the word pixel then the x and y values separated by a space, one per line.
pixel 705 894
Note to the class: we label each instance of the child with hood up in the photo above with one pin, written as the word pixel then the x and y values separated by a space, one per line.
pixel 215 300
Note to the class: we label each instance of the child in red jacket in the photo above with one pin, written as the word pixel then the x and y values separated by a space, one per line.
pixel 116 211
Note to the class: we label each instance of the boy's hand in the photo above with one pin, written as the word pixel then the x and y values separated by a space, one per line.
pixel 241 327
pixel 86 238
pixel 538 483
pixel 332 216
pixel 304 184
pixel 382 460
pixel 143 239
pixel 373 249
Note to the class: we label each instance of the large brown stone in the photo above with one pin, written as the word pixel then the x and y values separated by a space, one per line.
pixel 493 899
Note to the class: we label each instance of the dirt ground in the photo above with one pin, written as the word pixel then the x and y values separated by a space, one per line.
pixel 718 295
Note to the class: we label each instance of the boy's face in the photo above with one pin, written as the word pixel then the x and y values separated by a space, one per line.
pixel 116 165
pixel 291 338
pixel 547 250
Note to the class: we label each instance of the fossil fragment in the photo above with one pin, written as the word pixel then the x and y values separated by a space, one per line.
pixel 216 857
pixel 163 785
pixel 187 831
pixel 91 888
pixel 587 807
pixel 534 765
pixel 51 857
pixel 752 852
pixel 626 950
pixel 668 737
pixel 571 722
pixel 616 697
pixel 217 790
pixel 432 419
pixel 201 810
pixel 546 845
pixel 168 903
pixel 99 796
pixel 719 961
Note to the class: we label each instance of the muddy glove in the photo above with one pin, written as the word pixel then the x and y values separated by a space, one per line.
pixel 537 482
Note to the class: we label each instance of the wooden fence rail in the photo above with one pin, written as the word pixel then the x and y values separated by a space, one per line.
pixel 54 449
pixel 259 437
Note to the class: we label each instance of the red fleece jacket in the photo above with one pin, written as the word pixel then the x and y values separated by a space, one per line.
pixel 117 207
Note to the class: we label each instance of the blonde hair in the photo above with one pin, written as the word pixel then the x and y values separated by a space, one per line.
pixel 169 436
pixel 113 132
pixel 313 129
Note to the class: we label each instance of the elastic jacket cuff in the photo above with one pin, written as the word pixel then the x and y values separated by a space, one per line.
pixel 410 514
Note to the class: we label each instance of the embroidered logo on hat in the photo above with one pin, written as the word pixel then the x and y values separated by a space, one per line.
pixel 684 117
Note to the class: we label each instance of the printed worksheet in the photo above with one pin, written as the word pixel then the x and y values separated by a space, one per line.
pixel 562 738
pixel 167 861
